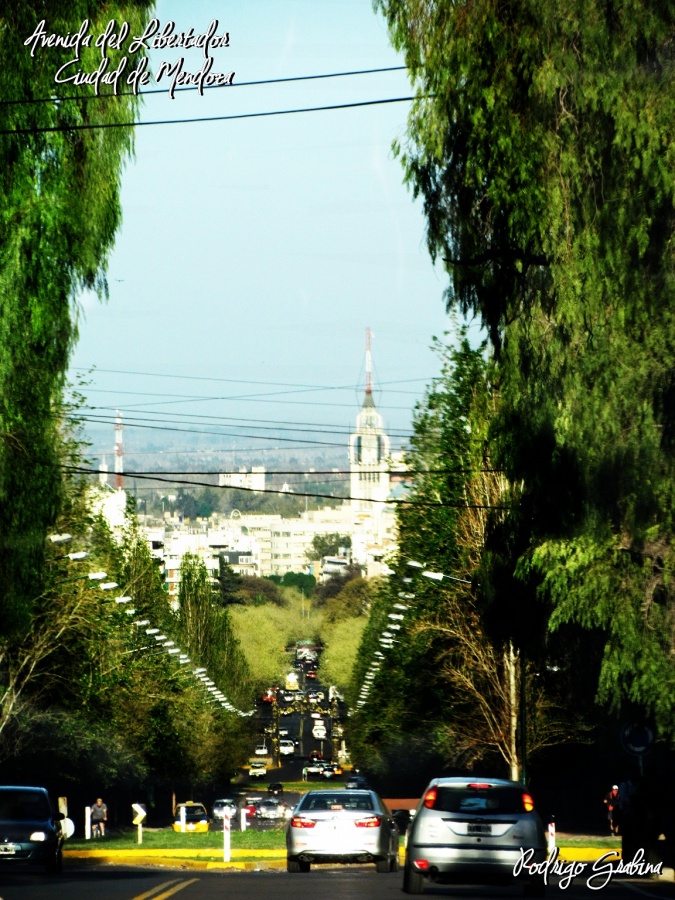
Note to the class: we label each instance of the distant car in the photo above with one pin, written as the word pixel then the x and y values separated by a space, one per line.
pixel 288 696
pixel 314 767
pixel 261 750
pixel 331 770
pixel 222 809
pixel 251 807
pixel 283 732
pixel 356 782
pixel 311 674
pixel 314 755
pixel 319 733
pixel 196 817
pixel 270 696
pixel 286 748
pixel 276 788
pixel 31 829
pixel 272 809
pixel 471 831
pixel 257 768
pixel 339 826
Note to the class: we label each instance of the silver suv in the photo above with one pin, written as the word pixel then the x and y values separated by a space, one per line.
pixel 473 831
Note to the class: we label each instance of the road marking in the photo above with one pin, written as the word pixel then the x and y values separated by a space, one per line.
pixel 166 887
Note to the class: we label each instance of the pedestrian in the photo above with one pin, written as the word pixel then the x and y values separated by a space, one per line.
pixel 304 773
pixel 99 816
pixel 611 801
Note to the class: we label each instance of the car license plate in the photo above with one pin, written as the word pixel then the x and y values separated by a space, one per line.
pixel 474 828
pixel 7 849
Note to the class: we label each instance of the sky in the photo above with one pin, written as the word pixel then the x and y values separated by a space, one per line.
pixel 254 253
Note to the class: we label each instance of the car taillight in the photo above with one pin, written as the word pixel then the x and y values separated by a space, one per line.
pixel 369 822
pixel 528 803
pixel 422 864
pixel 430 798
pixel 479 786
pixel 300 822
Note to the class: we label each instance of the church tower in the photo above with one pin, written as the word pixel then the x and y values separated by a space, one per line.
pixel 369 449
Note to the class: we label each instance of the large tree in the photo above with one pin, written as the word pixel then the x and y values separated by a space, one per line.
pixel 542 143
pixel 59 212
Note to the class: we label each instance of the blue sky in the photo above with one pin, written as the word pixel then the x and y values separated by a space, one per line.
pixel 254 253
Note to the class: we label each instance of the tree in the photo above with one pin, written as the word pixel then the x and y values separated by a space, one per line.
pixel 456 646
pixel 328 545
pixel 542 145
pixel 59 211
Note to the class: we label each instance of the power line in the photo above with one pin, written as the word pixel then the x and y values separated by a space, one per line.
pixel 303 428
pixel 209 87
pixel 228 487
pixel 329 387
pixel 198 119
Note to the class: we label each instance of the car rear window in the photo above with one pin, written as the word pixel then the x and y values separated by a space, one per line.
pixel 464 799
pixel 23 806
pixel 340 800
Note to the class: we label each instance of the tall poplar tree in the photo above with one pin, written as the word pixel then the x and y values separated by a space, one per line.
pixel 542 143
pixel 59 212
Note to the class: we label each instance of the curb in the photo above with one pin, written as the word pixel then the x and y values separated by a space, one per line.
pixel 259 860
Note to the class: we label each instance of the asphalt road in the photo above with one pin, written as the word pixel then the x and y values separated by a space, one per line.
pixel 332 883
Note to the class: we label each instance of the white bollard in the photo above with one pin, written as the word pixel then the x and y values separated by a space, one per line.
pixel 87 823
pixel 243 819
pixel 226 839
pixel 551 836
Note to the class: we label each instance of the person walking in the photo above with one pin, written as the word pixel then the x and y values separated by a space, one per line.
pixel 99 816
pixel 611 801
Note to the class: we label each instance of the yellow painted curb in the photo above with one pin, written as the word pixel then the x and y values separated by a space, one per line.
pixel 587 854
pixel 185 852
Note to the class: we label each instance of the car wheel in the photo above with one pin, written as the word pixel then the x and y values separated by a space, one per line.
pixel 304 865
pixel 413 882
pixel 394 863
pixel 55 866
pixel 382 866
pixel 535 888
pixel 292 865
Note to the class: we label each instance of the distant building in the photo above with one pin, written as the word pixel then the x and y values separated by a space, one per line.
pixel 250 481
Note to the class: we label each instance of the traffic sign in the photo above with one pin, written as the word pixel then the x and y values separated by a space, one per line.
pixel 637 738
pixel 141 813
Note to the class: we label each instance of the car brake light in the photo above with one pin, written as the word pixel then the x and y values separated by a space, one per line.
pixel 369 822
pixel 528 803
pixel 300 822
pixel 430 798
pixel 479 786
pixel 422 864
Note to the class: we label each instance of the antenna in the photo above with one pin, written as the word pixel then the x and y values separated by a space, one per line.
pixel 119 453
pixel 369 364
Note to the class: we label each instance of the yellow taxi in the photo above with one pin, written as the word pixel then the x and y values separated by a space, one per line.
pixel 191 817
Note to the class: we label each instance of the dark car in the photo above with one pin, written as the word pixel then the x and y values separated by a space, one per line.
pixel 276 789
pixel 30 829
pixel 357 783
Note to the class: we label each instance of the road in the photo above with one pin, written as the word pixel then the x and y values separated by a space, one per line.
pixel 333 883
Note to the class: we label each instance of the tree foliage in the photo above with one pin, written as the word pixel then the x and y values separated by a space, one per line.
pixel 59 211
pixel 542 144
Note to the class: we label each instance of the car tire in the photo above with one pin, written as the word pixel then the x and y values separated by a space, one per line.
pixel 292 865
pixel 382 866
pixel 413 882
pixel 395 866
pixel 55 866
pixel 535 888
pixel 304 865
